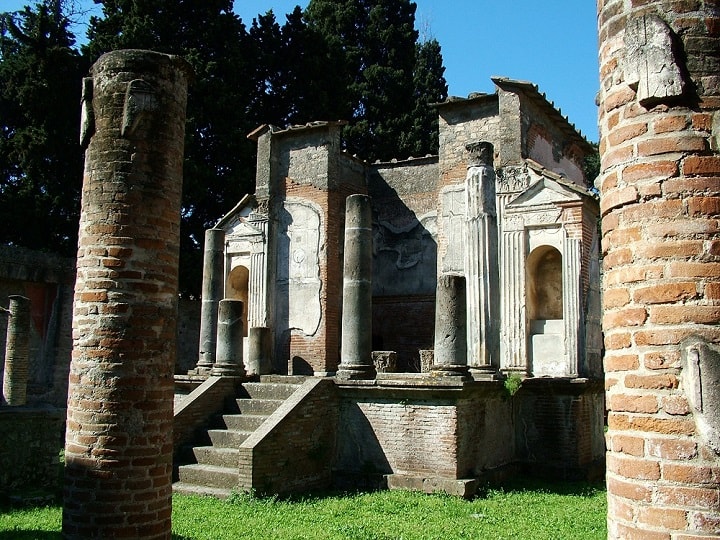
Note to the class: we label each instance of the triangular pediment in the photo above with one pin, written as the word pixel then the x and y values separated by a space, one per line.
pixel 236 223
pixel 546 192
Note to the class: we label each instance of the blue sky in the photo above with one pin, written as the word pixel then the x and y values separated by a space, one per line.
pixel 552 44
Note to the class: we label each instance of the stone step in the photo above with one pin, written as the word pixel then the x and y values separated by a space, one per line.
pixel 192 489
pixel 227 438
pixel 258 406
pixel 244 422
pixel 214 455
pixel 209 475
pixel 286 379
pixel 269 390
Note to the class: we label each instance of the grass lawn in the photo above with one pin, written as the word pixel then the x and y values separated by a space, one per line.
pixel 553 511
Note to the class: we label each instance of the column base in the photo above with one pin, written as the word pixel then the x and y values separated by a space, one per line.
pixel 227 370
pixel 347 372
pixel 485 373
pixel 457 371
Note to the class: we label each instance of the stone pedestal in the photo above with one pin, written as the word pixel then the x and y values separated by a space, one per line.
pixel 213 286
pixel 259 343
pixel 356 348
pixel 450 327
pixel 15 376
pixel 119 444
pixel 229 357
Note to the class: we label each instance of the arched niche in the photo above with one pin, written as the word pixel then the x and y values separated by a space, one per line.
pixel 544 284
pixel 236 288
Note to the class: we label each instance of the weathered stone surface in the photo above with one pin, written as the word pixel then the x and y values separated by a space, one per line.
pixel 213 287
pixel 119 446
pixel 17 358
pixel 229 356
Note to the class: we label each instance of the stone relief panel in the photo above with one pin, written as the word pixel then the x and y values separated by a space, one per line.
pixel 298 269
pixel 453 225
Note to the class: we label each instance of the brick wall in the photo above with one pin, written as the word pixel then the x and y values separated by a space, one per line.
pixel 405 325
pixel 293 450
pixel 660 203
pixel 30 449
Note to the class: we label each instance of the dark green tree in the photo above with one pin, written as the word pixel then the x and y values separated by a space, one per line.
pixel 40 155
pixel 380 73
pixel 219 160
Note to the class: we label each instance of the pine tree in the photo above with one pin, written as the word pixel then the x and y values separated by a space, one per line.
pixel 40 155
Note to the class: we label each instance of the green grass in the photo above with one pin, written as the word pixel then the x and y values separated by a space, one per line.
pixel 565 511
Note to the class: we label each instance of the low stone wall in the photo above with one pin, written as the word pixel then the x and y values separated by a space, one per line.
pixel 293 451
pixel 30 449
pixel 559 427
pixel 424 433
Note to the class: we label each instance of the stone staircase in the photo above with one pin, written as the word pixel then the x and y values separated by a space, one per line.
pixel 216 471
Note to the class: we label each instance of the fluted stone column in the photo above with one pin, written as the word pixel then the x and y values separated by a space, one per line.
pixel 229 357
pixel 119 443
pixel 15 376
pixel 450 327
pixel 356 346
pixel 481 258
pixel 213 286
pixel 572 304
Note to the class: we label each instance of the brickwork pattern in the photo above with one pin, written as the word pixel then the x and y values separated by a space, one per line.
pixel 660 204
pixel 119 444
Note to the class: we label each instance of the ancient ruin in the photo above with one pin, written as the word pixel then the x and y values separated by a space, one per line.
pixel 486 253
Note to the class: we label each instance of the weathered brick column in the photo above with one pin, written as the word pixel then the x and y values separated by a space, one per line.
pixel 451 327
pixel 660 204
pixel 118 452
pixel 17 359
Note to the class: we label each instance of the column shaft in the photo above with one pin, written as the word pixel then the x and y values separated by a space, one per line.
pixel 17 348
pixel 213 287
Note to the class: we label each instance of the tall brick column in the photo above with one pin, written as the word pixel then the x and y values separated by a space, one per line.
pixel 17 350
pixel 660 204
pixel 118 450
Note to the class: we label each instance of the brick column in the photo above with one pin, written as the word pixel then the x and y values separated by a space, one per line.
pixel 119 444
pixel 660 203
pixel 17 358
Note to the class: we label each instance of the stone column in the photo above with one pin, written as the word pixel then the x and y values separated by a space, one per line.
pixel 259 344
pixel 119 444
pixel 572 304
pixel 17 358
pixel 356 346
pixel 213 287
pixel 659 121
pixel 450 327
pixel 481 258
pixel 229 357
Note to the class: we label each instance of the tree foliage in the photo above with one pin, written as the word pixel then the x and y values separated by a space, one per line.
pixel 354 60
pixel 40 157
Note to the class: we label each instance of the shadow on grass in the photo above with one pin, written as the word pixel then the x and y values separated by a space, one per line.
pixel 30 535
pixel 573 488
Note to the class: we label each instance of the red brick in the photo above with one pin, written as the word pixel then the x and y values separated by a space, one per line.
pixel 663 293
pixel 701 165
pixel 618 98
pixel 663 518
pixel 685 185
pixel 632 274
pixel 675 405
pixel 617 198
pixel 624 317
pixel 631 467
pixel 669 249
pixel 629 490
pixel 712 291
pixel 661 360
pixel 665 124
pixel 651 424
pixel 627 362
pixel 672 448
pixel 647 404
pixel 626 133
pixel 617 340
pixel 649 211
pixel 614 298
pixel 702 121
pixel 626 444
pixel 688 497
pixel 651 382
pixel 665 336
pixel 685 314
pixel 685 143
pixel 694 269
pixel 621 237
pixel 686 473
pixel 704 206
pixel 634 532
pixel 683 227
